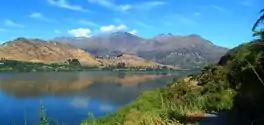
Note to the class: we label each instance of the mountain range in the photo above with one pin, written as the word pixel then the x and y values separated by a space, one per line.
pixel 174 51
pixel 191 51
pixel 37 50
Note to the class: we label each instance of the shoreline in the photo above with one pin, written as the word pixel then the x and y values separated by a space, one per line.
pixel 182 101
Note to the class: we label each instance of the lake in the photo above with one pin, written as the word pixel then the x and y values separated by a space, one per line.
pixel 68 97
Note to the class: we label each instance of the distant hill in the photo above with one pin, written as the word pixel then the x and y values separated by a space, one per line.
pixel 108 44
pixel 132 61
pixel 36 50
pixel 191 51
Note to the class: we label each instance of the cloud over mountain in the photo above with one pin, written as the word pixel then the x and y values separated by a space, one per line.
pixel 80 32
pixel 113 28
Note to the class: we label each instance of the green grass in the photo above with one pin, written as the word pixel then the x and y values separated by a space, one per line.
pixel 69 65
pixel 173 104
pixel 214 89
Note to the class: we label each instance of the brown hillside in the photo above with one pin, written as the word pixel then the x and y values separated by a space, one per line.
pixel 35 50
pixel 190 51
pixel 131 61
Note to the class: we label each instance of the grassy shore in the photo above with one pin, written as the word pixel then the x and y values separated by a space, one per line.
pixel 234 85
pixel 70 65
pixel 177 103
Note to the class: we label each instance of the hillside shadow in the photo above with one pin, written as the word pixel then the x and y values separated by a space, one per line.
pixel 246 113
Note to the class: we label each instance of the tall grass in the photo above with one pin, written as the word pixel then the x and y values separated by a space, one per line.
pixel 43 119
pixel 177 104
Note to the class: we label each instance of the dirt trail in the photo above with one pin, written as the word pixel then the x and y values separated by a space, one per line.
pixel 215 119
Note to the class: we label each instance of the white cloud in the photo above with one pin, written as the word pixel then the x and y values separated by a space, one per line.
pixel 11 23
pixel 142 24
pixel 124 7
pixel 111 5
pixel 111 28
pixel 246 3
pixel 65 4
pixel 220 8
pixel 80 32
pixel 149 5
pixel 36 15
pixel 57 31
pixel 187 21
pixel 197 13
pixel 88 23
pixel 1 42
pixel 117 20
pixel 154 3
pixel 134 32
pixel 106 107
pixel 105 3
pixel 79 102
pixel 40 16
pixel 171 19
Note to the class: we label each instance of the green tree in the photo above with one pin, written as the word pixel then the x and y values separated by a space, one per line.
pixel 121 65
pixel 74 62
pixel 259 33
pixel 259 21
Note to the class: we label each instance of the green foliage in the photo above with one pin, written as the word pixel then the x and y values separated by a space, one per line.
pixel 74 62
pixel 259 33
pixel 245 74
pixel 69 65
pixel 259 21
pixel 238 74
pixel 19 66
pixel 42 116
pixel 176 102
pixel 121 65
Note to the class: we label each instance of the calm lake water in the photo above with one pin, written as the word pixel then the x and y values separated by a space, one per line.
pixel 68 97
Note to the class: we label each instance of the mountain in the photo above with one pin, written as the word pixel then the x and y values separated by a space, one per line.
pixel 108 44
pixel 36 50
pixel 191 51
pixel 131 61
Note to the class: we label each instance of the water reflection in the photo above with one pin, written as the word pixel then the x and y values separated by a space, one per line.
pixel 36 84
pixel 69 96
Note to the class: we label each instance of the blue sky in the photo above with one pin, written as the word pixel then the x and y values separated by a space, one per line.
pixel 224 22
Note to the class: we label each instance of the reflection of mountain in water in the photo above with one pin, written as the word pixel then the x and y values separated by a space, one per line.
pixel 74 92
pixel 108 86
pixel 32 84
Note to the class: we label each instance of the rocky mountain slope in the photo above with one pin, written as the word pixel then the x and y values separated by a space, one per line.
pixel 36 50
pixel 189 51
pixel 131 61
pixel 108 44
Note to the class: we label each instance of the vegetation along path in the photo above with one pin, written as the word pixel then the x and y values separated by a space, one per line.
pixel 215 119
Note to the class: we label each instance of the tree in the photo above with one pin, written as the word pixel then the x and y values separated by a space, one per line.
pixel 259 33
pixel 121 65
pixel 74 62
pixel 259 21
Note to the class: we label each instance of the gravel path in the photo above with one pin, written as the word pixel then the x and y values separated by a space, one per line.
pixel 214 119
